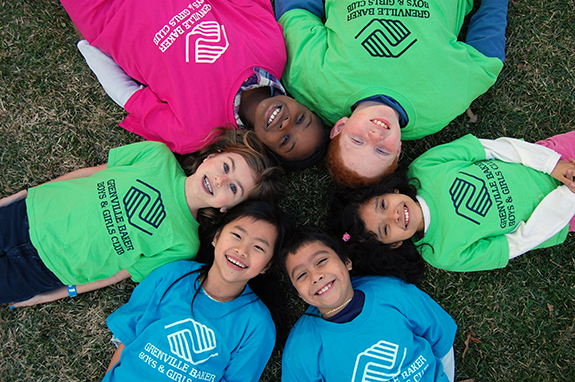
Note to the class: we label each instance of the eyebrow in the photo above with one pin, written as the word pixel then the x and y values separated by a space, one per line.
pixel 240 228
pixel 291 148
pixel 321 251
pixel 376 202
pixel 234 169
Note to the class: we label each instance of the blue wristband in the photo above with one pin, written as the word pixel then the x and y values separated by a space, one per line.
pixel 72 291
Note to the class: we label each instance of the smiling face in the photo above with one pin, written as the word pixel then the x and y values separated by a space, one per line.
pixel 392 217
pixel 242 250
pixel 319 276
pixel 221 181
pixel 288 128
pixel 370 139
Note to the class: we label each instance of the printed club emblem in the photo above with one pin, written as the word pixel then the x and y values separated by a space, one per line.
pixel 195 345
pixel 144 207
pixel 378 363
pixel 385 38
pixel 211 45
pixel 470 197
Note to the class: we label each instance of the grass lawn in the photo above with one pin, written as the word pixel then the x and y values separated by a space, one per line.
pixel 515 324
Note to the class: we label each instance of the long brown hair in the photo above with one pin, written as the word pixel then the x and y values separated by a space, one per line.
pixel 268 174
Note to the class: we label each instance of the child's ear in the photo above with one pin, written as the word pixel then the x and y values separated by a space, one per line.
pixel 266 268
pixel 396 191
pixel 215 239
pixel 338 127
pixel 223 210
pixel 209 157
pixel 348 264
pixel 396 245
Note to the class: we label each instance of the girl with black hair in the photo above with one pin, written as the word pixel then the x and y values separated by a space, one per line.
pixel 189 321
pixel 469 205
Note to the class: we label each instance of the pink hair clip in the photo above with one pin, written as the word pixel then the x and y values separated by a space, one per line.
pixel 346 237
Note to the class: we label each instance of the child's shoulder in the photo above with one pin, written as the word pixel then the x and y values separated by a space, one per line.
pixel 390 288
pixel 172 271
pixel 361 282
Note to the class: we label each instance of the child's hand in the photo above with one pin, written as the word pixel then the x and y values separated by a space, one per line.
pixel 565 173
pixel 12 198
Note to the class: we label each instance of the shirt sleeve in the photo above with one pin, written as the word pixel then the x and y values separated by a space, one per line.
pixel 551 216
pixel 513 150
pixel 125 321
pixel 136 152
pixel 484 254
pixel 305 36
pixel 314 6
pixel 299 359
pixel 155 120
pixel 117 84
pixel 249 361
pixel 429 320
pixel 146 264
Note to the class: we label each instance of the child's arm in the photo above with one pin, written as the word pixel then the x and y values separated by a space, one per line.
pixel 532 155
pixel 81 173
pixel 448 362
pixel 63 291
pixel 13 198
pixel 116 357
pixel 517 151
pixel 117 84
pixel 551 216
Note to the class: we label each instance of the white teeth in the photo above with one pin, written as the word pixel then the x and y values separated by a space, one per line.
pixel 235 262
pixel 273 116
pixel 406 215
pixel 380 124
pixel 324 289
pixel 207 185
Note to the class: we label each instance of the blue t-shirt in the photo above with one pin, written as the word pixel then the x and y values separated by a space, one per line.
pixel 400 335
pixel 220 341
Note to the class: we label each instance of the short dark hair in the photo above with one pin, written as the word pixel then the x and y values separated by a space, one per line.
pixel 305 235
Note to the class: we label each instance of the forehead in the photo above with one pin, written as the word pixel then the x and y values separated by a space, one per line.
pixel 229 156
pixel 363 159
pixel 260 230
pixel 306 255
pixel 368 211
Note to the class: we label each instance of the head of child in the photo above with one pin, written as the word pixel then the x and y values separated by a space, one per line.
pixel 242 247
pixel 364 147
pixel 297 135
pixel 230 170
pixel 387 212
pixel 318 268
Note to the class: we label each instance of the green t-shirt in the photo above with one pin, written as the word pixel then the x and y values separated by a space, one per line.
pixel 473 203
pixel 404 49
pixel 133 216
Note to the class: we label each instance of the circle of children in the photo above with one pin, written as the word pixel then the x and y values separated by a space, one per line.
pixel 190 213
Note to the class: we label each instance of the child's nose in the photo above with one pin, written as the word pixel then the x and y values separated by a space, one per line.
pixel 221 180
pixel 285 123
pixel 241 249
pixel 393 215
pixel 317 276
pixel 375 134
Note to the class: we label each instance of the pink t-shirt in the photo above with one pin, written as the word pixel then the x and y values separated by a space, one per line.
pixel 192 56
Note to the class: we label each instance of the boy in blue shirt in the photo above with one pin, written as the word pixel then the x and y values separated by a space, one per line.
pixel 366 329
